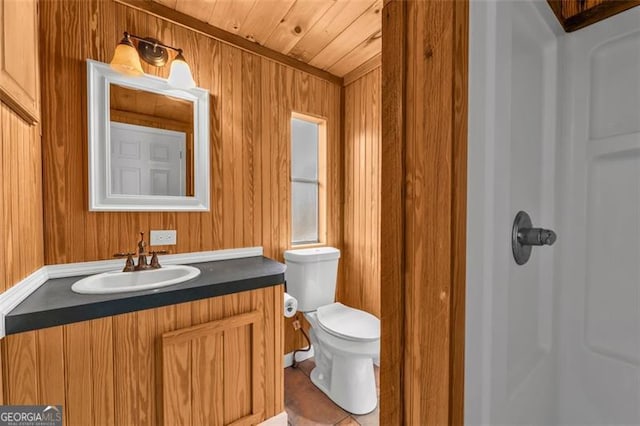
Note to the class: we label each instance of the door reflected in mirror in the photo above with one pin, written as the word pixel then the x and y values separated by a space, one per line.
pixel 151 140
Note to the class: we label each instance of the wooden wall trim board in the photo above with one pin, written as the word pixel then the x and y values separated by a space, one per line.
pixel 424 56
pixel 392 221
pixel 576 14
pixel 362 70
pixel 235 40
pixel 460 95
pixel 184 335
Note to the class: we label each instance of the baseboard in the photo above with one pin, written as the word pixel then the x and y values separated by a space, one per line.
pixel 300 356
pixel 281 419
pixel 21 290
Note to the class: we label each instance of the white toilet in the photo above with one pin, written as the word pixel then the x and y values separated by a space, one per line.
pixel 345 340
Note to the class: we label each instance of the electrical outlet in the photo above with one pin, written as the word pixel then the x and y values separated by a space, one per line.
pixel 162 238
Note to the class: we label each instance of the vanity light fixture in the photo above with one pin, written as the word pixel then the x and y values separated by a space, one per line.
pixel 126 59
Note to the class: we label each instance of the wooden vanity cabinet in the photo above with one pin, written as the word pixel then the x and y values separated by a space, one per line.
pixel 19 72
pixel 216 361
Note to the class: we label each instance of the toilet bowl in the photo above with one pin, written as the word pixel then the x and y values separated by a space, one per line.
pixel 346 341
pixel 344 360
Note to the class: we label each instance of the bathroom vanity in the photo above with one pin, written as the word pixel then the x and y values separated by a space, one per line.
pixel 207 351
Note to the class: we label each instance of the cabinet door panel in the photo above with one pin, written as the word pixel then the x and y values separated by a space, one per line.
pixel 19 73
pixel 212 372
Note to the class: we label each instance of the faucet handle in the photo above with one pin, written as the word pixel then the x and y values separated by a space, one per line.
pixel 123 254
pixel 154 258
pixel 159 252
pixel 129 265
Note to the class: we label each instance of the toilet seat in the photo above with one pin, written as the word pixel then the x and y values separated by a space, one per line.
pixel 348 323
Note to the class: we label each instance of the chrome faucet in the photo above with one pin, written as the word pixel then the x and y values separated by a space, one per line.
pixel 142 265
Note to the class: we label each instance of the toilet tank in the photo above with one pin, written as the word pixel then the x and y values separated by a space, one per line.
pixel 311 276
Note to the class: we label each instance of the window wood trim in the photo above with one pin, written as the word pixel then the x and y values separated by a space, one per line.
pixel 322 179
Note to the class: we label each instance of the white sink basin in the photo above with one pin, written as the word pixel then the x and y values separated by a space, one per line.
pixel 121 282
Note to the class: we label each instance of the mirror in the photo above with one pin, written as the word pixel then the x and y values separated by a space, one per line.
pixel 148 143
pixel 151 143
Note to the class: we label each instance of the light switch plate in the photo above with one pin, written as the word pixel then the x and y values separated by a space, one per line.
pixel 162 238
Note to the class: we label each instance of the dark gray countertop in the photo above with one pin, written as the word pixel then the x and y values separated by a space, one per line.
pixel 55 304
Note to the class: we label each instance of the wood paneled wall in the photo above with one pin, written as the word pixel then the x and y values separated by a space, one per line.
pixel 423 200
pixel 360 283
pixel 21 248
pixel 251 103
pixel 109 371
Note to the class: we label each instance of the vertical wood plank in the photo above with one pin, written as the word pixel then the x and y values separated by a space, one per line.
pixel 278 329
pixel 237 374
pixel 177 390
pixel 20 361
pixel 5 215
pixel 9 145
pixel 251 129
pixel 272 353
pixel 165 321
pixel 79 379
pixel 125 339
pixel 257 382
pixel 102 357
pixel 259 349
pixel 51 366
pixel 146 379
pixel 208 383
pixel 392 227
pixel 238 162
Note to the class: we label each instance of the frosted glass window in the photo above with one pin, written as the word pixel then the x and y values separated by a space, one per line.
pixel 304 181
pixel 304 199
pixel 304 150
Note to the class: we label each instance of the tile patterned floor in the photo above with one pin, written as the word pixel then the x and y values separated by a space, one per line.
pixel 307 405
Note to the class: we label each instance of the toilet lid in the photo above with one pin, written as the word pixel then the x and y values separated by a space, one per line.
pixel 349 323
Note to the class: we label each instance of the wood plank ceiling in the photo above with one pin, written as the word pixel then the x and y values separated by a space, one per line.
pixel 333 35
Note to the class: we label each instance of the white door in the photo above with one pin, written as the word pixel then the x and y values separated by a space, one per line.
pixel 147 160
pixel 598 338
pixel 512 139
